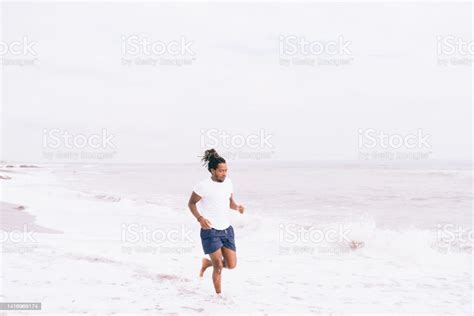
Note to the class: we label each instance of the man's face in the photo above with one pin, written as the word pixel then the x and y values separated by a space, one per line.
pixel 220 172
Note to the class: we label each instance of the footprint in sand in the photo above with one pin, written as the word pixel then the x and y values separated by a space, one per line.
pixel 221 299
pixel 198 310
pixel 252 282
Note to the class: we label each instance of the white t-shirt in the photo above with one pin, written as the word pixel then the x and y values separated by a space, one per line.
pixel 215 204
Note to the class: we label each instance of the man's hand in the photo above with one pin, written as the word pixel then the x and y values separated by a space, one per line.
pixel 205 223
pixel 234 206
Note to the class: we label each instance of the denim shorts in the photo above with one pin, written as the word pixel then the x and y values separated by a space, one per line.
pixel 213 239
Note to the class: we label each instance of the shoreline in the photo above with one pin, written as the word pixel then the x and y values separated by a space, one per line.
pixel 15 218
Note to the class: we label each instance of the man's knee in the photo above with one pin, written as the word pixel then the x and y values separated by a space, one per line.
pixel 231 265
pixel 218 265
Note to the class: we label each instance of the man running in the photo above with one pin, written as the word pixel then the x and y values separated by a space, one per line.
pixel 215 197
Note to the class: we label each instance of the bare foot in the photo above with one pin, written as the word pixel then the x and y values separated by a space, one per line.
pixel 356 244
pixel 206 263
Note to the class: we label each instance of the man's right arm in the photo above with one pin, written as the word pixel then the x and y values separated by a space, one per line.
pixel 192 206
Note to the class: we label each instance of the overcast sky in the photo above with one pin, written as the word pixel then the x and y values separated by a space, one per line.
pixel 236 82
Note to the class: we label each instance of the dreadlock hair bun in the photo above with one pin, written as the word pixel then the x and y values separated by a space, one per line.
pixel 212 159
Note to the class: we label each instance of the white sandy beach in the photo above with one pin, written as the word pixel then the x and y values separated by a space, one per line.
pixel 86 255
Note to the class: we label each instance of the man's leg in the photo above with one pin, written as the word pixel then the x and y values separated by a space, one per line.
pixel 217 264
pixel 206 263
pixel 230 258
pixel 229 261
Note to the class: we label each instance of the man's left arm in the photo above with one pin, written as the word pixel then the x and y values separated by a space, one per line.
pixel 233 205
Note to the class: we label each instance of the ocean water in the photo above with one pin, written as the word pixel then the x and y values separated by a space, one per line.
pixel 393 197
pixel 412 225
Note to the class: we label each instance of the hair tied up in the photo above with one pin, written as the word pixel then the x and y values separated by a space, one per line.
pixel 212 159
